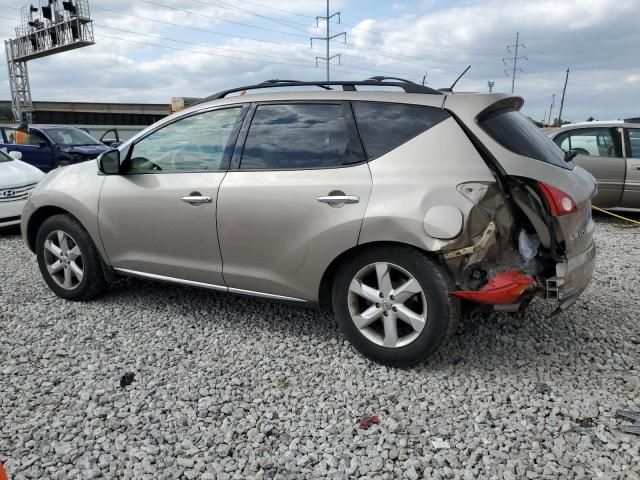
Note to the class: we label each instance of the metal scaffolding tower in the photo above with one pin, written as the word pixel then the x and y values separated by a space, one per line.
pixel 54 26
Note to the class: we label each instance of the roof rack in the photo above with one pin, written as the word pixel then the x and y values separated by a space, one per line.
pixel 350 86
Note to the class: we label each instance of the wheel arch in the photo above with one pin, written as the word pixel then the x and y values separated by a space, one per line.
pixel 37 218
pixel 328 277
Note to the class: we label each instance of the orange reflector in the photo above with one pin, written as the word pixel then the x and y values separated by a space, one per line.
pixel 3 473
pixel 503 289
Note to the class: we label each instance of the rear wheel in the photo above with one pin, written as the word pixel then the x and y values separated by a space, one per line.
pixel 68 259
pixel 393 304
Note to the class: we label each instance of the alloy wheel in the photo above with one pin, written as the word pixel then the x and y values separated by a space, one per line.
pixel 387 305
pixel 63 259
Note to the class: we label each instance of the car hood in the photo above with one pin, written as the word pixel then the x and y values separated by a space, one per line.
pixel 89 150
pixel 16 173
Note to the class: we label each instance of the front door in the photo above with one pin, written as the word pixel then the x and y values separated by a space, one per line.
pixel 35 148
pixel 158 218
pixel 295 199
pixel 631 194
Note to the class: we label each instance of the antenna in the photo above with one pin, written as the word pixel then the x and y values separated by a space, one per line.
pixel 458 79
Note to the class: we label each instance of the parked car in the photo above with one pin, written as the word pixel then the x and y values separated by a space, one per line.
pixel 611 152
pixel 49 147
pixel 17 181
pixel 387 208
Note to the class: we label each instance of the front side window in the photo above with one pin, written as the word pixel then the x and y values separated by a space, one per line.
pixel 634 142
pixel 517 133
pixel 596 142
pixel 385 126
pixel 298 136
pixel 194 143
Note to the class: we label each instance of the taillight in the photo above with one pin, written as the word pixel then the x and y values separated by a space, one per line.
pixel 559 202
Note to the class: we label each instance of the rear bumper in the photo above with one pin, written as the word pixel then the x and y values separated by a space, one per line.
pixel 572 277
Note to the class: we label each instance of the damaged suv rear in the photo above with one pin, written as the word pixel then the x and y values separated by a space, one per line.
pixel 388 208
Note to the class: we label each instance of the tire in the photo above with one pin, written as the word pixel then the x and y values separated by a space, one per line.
pixel 64 248
pixel 423 329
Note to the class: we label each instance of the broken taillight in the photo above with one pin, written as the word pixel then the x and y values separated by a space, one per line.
pixel 559 202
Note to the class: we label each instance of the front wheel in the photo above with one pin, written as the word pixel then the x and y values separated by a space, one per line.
pixel 394 304
pixel 68 259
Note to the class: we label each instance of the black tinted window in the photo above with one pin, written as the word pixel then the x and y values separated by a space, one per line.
pixel 517 133
pixel 293 136
pixel 385 126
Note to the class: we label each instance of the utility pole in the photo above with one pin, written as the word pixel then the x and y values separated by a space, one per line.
pixel 553 102
pixel 566 79
pixel 328 39
pixel 424 79
pixel 490 84
pixel 514 60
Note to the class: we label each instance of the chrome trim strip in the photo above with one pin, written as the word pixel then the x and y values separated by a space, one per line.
pixel 265 295
pixel 153 276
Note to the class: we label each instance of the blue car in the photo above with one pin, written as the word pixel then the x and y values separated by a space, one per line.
pixel 49 147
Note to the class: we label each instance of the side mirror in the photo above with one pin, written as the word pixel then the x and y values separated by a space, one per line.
pixel 16 155
pixel 43 144
pixel 109 162
pixel 570 155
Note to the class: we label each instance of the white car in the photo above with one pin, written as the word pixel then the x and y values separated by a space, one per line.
pixel 17 181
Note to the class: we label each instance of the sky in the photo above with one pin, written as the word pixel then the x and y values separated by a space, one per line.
pixel 152 50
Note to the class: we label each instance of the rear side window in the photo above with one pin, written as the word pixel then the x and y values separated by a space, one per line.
pixel 385 126
pixel 298 136
pixel 517 133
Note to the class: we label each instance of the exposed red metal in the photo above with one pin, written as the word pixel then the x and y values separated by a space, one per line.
pixel 503 289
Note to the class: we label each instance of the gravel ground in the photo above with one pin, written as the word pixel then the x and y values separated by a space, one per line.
pixel 228 387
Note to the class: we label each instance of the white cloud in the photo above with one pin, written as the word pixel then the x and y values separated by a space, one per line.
pixel 597 39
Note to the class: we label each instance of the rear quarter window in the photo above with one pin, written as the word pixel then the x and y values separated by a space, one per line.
pixel 385 126
pixel 518 134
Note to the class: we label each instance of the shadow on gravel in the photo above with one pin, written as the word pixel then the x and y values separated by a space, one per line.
pixel 484 340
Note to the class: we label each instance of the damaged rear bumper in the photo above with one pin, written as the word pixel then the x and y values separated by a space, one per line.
pixel 572 278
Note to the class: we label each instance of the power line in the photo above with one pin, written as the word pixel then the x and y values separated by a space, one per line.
pixel 186 42
pixel 223 20
pixel 328 39
pixel 266 17
pixel 164 22
pixel 515 60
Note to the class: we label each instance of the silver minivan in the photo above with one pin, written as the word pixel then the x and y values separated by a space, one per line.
pixel 389 208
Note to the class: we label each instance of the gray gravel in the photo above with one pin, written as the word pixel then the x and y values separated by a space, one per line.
pixel 227 387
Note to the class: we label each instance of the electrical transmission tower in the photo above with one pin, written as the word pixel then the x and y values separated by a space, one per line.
pixel 514 59
pixel 328 39
pixel 553 104
pixel 490 84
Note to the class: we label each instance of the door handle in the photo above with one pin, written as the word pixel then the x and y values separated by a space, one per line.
pixel 333 199
pixel 196 199
pixel 636 167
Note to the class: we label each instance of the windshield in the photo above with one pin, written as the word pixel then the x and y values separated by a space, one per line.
pixel 71 136
pixel 4 157
pixel 517 133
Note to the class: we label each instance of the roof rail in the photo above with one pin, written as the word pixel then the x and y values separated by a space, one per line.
pixel 406 85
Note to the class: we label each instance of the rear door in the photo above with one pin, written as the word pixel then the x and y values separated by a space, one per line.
pixel 158 218
pixel 600 153
pixel 294 198
pixel 631 194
